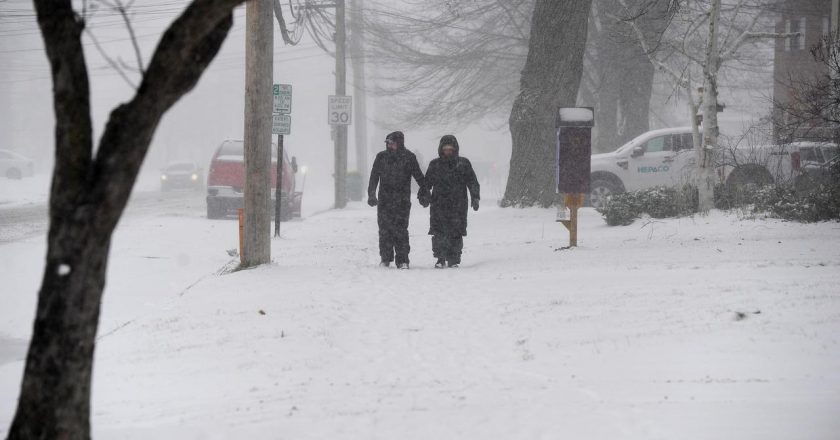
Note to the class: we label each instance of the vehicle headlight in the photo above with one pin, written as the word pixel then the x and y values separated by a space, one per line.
pixel 163 177
pixel 195 177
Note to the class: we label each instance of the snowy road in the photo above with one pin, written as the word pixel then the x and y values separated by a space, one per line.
pixel 712 327
pixel 23 221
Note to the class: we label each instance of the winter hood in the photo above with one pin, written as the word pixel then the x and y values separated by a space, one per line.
pixel 398 137
pixel 450 140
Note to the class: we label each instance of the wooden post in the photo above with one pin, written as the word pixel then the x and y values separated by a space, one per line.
pixel 573 202
pixel 340 90
pixel 357 62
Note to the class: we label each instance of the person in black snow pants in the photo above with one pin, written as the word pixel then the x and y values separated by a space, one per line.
pixel 392 172
pixel 448 179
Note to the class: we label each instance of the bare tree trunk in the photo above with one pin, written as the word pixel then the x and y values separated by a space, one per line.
pixel 87 198
pixel 259 49
pixel 635 92
pixel 608 72
pixel 705 158
pixel 550 79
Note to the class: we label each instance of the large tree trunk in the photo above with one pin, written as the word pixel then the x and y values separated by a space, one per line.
pixel 635 92
pixel 639 72
pixel 87 198
pixel 623 110
pixel 609 72
pixel 550 80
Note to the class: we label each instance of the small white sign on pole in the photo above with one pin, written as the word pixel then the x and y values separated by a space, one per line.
pixel 282 99
pixel 340 110
pixel 281 124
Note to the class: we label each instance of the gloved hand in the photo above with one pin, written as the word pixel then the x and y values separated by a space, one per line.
pixel 424 197
pixel 372 201
pixel 475 204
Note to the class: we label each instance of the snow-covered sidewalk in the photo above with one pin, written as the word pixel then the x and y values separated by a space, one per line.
pixel 711 327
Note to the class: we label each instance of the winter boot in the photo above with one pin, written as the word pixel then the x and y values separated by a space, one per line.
pixel 454 264
pixel 440 264
pixel 403 265
pixel 385 264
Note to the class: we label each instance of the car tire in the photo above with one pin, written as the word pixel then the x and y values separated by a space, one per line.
pixel 14 174
pixel 600 190
pixel 741 179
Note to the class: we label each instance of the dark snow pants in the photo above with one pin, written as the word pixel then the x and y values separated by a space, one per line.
pixel 448 247
pixel 393 230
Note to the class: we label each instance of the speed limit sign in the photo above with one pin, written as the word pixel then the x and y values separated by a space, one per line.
pixel 340 110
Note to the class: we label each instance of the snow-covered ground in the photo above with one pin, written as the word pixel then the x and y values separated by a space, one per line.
pixel 22 192
pixel 696 328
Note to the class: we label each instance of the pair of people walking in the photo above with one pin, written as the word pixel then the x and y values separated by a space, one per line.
pixel 444 187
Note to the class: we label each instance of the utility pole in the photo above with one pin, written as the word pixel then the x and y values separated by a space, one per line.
pixel 259 42
pixel 835 14
pixel 340 90
pixel 357 38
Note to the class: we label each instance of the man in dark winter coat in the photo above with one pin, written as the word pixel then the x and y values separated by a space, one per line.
pixel 392 171
pixel 448 178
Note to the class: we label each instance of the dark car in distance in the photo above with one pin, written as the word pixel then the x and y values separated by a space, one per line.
pixel 181 175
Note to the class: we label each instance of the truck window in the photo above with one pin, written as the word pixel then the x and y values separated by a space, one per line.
pixel 687 141
pixel 655 145
pixel 810 154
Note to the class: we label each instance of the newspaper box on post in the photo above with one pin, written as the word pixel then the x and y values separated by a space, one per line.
pixel 574 151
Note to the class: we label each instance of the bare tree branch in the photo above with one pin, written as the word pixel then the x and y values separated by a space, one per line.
pixel 124 13
pixel 284 31
pixel 111 62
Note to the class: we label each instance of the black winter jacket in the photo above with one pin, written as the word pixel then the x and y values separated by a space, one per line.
pixel 392 172
pixel 449 179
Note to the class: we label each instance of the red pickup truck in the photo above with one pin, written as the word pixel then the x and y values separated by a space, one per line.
pixel 226 182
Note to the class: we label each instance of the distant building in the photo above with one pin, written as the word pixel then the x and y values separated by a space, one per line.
pixel 794 63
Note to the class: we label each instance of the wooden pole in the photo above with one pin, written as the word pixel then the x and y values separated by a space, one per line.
pixel 340 90
pixel 259 49
pixel 357 61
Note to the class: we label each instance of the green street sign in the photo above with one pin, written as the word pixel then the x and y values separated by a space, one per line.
pixel 282 99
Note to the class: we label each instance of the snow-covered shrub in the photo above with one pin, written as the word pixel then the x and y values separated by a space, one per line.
pixel 621 209
pixel 657 202
pixel 784 202
pixel 820 203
